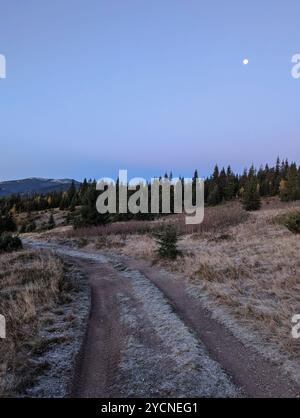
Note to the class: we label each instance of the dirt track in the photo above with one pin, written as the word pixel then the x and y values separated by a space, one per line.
pixel 148 337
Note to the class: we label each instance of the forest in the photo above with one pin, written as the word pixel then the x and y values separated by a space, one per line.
pixel 282 180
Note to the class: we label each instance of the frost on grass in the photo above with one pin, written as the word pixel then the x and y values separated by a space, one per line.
pixel 40 296
pixel 181 367
pixel 60 340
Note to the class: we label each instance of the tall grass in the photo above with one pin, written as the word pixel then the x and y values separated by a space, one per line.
pixel 29 282
pixel 215 219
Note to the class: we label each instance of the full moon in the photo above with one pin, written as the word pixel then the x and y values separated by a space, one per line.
pixel 246 61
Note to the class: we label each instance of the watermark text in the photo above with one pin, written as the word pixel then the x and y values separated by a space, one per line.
pixel 161 195
pixel 2 66
pixel 296 68
pixel 2 327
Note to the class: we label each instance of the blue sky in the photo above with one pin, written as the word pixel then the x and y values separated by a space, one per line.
pixel 94 86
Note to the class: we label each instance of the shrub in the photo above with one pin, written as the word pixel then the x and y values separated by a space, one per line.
pixel 167 243
pixel 28 226
pixel 9 243
pixel 7 224
pixel 292 222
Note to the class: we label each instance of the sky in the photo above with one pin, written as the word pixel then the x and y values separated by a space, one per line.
pixel 148 86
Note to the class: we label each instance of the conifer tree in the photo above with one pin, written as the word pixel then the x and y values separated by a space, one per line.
pixel 251 197
pixel 229 190
pixel 167 243
pixel 291 188
pixel 7 223
pixel 88 215
pixel 214 197
pixel 51 222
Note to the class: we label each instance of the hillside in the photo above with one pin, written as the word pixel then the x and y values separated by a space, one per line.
pixel 34 185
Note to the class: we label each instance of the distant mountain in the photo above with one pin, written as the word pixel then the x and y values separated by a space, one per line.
pixel 34 185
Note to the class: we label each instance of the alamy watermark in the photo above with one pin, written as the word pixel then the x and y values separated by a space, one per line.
pixel 162 195
pixel 296 327
pixel 2 66
pixel 296 68
pixel 2 327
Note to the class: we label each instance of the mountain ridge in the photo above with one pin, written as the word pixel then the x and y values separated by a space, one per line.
pixel 33 185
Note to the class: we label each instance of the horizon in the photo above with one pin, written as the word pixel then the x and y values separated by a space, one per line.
pixel 174 175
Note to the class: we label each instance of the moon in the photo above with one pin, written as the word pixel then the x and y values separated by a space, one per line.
pixel 245 61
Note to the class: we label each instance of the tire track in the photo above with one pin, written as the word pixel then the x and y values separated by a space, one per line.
pixel 148 337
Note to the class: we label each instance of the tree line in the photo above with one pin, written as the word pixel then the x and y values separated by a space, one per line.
pixel 283 180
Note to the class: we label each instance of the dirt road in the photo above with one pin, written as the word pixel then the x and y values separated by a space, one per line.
pixel 148 337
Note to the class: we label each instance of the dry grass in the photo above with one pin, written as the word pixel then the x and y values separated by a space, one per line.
pixel 254 276
pixel 118 228
pixel 42 217
pixel 249 268
pixel 138 235
pixel 131 241
pixel 246 265
pixel 30 282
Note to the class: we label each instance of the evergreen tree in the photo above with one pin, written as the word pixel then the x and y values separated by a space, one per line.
pixel 214 196
pixel 276 179
pixel 194 189
pixel 88 215
pixel 51 222
pixel 72 192
pixel 167 243
pixel 290 189
pixel 251 197
pixel 230 185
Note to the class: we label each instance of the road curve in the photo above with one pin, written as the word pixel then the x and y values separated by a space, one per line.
pixel 148 337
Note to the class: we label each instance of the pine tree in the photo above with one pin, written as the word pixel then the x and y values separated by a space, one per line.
pixel 88 215
pixel 7 223
pixel 251 197
pixel 214 196
pixel 64 202
pixel 291 189
pixel 276 180
pixel 222 183
pixel 194 187
pixel 230 186
pixel 51 222
pixel 72 192
pixel 167 243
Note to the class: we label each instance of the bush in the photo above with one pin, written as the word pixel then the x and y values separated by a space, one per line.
pixel 28 226
pixel 9 243
pixel 167 243
pixel 7 224
pixel 292 222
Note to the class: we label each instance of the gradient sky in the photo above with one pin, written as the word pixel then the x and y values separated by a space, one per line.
pixel 148 85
